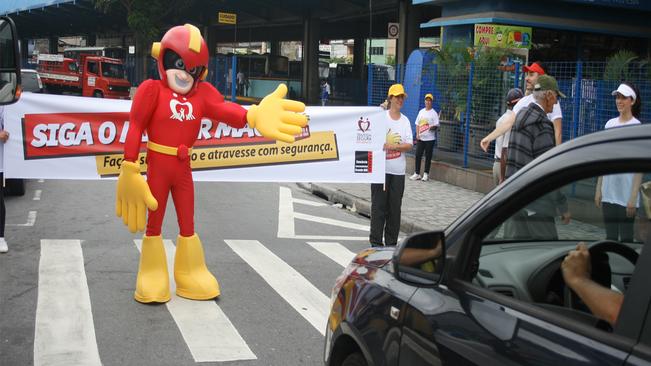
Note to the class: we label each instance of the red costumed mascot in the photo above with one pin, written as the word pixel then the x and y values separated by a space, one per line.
pixel 170 111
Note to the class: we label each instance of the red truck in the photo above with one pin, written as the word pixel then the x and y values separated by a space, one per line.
pixel 100 77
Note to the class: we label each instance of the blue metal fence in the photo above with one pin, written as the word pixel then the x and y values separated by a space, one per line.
pixel 471 97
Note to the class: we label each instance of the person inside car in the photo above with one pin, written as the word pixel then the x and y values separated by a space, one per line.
pixel 603 302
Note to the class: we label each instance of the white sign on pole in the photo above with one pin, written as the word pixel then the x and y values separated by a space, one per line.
pixel 393 30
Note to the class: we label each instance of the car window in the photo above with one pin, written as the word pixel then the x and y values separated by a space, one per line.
pixel 92 67
pixel 526 255
pixel 29 81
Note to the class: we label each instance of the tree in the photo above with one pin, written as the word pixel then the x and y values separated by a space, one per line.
pixel 145 18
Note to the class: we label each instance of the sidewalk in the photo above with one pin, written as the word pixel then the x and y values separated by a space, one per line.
pixel 425 205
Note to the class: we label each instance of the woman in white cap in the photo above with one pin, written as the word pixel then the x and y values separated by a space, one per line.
pixel 617 194
pixel 427 121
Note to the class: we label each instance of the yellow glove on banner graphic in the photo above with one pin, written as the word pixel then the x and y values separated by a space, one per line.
pixel 133 197
pixel 277 118
pixel 392 137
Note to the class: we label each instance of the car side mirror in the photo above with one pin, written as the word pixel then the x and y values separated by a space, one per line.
pixel 419 259
pixel 9 62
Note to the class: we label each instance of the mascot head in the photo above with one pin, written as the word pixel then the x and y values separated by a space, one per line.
pixel 182 57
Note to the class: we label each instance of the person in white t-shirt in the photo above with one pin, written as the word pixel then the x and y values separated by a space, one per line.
pixel 617 194
pixel 502 142
pixel 386 199
pixel 427 122
pixel 556 115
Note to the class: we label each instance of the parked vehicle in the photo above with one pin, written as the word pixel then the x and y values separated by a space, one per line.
pixel 10 79
pixel 483 292
pixel 31 81
pixel 98 76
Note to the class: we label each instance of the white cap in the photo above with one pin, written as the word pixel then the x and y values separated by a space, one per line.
pixel 626 91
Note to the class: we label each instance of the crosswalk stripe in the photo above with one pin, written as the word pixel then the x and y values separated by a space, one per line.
pixel 306 299
pixel 329 221
pixel 309 203
pixel 334 251
pixel 31 220
pixel 64 331
pixel 209 334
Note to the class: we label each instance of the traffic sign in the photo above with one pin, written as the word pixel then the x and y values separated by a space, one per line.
pixel 227 18
pixel 393 30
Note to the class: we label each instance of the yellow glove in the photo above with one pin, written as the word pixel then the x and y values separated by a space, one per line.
pixel 133 197
pixel 393 138
pixel 277 118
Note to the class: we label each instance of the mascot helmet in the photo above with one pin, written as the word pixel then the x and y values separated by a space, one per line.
pixel 184 43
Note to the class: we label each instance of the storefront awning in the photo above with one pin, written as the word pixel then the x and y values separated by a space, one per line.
pixel 577 25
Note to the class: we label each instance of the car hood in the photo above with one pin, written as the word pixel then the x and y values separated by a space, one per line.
pixel 374 257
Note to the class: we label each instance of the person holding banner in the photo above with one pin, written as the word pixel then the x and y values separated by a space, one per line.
pixel 427 122
pixel 170 111
pixel 4 136
pixel 386 199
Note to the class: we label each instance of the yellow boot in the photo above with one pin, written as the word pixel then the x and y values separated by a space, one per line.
pixel 193 280
pixel 153 283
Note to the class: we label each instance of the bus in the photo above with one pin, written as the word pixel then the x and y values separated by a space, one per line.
pixel 104 51
pixel 263 71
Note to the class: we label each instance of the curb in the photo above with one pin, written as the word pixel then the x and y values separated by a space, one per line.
pixel 357 204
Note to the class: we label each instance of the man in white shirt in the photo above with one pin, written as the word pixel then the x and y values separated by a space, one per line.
pixel 556 115
pixel 502 142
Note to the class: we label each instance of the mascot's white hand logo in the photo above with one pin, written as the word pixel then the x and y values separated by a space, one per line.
pixel 179 110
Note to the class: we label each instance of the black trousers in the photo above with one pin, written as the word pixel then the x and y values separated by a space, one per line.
pixel 427 147
pixel 619 227
pixel 386 202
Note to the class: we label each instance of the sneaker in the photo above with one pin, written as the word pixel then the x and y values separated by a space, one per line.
pixel 425 177
pixel 3 246
pixel 416 176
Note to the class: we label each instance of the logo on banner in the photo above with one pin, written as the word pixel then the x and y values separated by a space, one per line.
pixel 363 161
pixel 364 128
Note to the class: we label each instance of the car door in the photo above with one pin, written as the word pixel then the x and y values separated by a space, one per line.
pixel 483 315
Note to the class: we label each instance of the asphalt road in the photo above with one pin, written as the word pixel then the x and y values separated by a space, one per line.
pixel 67 282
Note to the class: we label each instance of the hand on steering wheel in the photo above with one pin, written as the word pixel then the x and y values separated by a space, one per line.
pixel 575 268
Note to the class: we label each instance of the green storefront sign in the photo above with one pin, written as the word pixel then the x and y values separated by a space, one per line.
pixel 502 36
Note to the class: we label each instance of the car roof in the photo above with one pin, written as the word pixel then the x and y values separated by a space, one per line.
pixel 605 137
pixel 612 150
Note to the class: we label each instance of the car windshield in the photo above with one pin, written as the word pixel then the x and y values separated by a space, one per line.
pixel 111 70
pixel 607 207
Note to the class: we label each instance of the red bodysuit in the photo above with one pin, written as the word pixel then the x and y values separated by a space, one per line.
pixel 174 120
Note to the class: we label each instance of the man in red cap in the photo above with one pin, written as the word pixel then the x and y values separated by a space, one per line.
pixel 556 116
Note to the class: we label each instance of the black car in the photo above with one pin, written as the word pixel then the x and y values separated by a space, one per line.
pixel 489 289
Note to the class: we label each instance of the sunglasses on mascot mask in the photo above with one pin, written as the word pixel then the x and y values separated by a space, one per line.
pixel 172 60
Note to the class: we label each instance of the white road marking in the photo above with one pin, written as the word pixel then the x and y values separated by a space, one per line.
pixel 209 334
pixel 64 330
pixel 286 217
pixel 328 221
pixel 334 251
pixel 309 203
pixel 41 180
pixel 37 195
pixel 31 220
pixel 285 214
pixel 306 299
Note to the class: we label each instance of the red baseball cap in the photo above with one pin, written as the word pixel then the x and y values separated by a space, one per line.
pixel 534 68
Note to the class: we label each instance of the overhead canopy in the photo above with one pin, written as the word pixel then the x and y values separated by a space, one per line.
pixel 578 25
pixel 15 6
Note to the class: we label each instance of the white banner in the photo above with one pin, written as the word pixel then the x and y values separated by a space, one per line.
pixel 66 137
